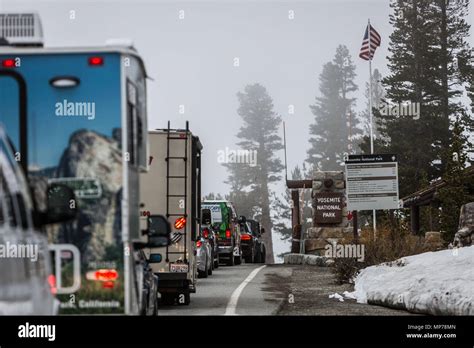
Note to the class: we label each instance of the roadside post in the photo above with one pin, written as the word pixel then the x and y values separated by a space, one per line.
pixel 297 244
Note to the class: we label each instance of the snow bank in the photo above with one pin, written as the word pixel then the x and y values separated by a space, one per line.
pixel 438 283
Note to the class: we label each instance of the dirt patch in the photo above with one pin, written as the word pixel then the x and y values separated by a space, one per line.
pixel 306 292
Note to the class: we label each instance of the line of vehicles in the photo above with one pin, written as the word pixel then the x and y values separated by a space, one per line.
pixel 109 213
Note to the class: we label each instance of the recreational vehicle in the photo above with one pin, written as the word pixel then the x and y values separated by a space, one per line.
pixel 77 116
pixel 172 187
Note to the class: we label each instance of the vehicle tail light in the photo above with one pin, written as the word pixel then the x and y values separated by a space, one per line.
pixel 52 284
pixel 228 234
pixel 205 233
pixel 245 237
pixel 180 223
pixel 103 275
pixel 96 61
pixel 198 244
pixel 8 63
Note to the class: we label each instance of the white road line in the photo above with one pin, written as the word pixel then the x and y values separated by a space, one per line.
pixel 234 298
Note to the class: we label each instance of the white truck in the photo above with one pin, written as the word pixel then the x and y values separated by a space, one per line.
pixel 172 187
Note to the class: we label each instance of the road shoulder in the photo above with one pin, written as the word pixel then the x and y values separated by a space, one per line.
pixel 306 289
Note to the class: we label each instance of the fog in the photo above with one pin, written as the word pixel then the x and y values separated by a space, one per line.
pixel 191 60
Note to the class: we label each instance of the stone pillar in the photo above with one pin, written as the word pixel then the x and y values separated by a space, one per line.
pixel 330 223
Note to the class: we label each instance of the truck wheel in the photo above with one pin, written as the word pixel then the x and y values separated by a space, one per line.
pixel 168 298
pixel 250 258
pixel 258 257
pixel 211 266
pixel 231 260
pixel 203 274
pixel 155 309
pixel 238 259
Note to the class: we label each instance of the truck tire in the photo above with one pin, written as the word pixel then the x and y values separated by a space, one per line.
pixel 168 298
pixel 250 258
pixel 263 256
pixel 238 259
pixel 211 265
pixel 203 274
pixel 155 309
pixel 231 260
pixel 258 256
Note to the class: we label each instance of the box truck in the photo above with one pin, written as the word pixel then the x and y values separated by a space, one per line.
pixel 172 187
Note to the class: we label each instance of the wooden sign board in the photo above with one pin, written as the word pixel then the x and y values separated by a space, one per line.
pixel 328 207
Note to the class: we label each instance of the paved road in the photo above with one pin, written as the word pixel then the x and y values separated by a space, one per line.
pixel 230 291
pixel 255 290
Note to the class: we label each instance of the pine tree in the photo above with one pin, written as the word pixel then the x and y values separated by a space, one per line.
pixel 458 186
pixel 211 196
pixel 259 133
pixel 427 37
pixel 333 111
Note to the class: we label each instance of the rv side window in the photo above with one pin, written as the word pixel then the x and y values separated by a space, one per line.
pixel 132 123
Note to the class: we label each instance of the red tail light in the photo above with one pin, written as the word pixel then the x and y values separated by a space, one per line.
pixel 198 244
pixel 245 237
pixel 96 61
pixel 52 284
pixel 8 63
pixel 103 275
pixel 228 234
pixel 106 274
pixel 180 223
pixel 205 233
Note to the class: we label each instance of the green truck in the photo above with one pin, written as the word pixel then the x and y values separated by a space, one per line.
pixel 225 223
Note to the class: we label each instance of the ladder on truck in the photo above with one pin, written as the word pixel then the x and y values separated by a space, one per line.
pixel 171 137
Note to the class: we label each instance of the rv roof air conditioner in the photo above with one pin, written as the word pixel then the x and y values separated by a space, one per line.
pixel 21 29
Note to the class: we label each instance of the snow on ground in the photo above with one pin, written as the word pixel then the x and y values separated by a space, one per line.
pixel 438 283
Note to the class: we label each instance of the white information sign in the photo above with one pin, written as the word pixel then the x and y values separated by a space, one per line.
pixel 372 182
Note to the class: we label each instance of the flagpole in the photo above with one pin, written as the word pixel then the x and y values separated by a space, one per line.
pixel 371 127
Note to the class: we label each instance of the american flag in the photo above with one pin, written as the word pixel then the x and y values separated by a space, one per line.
pixel 367 51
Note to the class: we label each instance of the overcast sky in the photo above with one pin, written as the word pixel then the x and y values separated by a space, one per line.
pixel 192 59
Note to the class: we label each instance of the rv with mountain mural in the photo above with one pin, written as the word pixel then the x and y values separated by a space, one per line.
pixel 78 117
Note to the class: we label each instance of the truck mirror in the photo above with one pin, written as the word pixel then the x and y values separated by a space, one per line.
pixel 262 230
pixel 158 231
pixel 242 219
pixel 62 205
